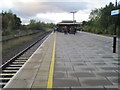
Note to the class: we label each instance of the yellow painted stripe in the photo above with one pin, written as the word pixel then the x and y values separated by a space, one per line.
pixel 51 71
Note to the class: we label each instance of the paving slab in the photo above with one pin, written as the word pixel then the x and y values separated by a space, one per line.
pixel 109 73
pixel 114 80
pixel 65 82
pixel 94 81
pixel 81 74
pixel 39 84
pixel 88 88
pixel 60 74
pixel 115 87
pixel 90 62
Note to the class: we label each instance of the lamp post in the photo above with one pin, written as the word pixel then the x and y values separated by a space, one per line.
pixel 115 35
pixel 74 21
pixel 73 15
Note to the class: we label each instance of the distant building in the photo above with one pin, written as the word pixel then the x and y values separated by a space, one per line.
pixel 71 26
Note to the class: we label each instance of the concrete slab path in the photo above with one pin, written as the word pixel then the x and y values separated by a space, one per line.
pixel 83 61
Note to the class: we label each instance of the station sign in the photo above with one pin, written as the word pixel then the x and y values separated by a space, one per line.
pixel 115 12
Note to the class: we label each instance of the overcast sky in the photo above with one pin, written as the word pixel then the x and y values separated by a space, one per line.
pixel 52 10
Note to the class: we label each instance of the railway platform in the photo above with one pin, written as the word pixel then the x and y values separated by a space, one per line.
pixel 72 62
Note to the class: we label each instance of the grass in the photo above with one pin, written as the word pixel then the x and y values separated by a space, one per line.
pixel 18 33
pixel 17 41
pixel 88 29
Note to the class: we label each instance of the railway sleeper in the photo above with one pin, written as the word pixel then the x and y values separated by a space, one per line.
pixel 3 84
pixel 28 52
pixel 3 74
pixel 26 55
pixel 9 71
pixel 18 62
pixel 14 65
pixel 4 79
pixel 12 68
pixel 23 58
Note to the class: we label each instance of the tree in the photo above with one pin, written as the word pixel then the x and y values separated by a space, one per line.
pixel 9 17
pixel 101 20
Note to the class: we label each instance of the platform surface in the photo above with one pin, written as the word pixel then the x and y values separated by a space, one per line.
pixel 82 61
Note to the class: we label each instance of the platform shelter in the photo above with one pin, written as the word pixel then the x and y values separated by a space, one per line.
pixel 70 26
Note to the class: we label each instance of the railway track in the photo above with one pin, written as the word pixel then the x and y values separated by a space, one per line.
pixel 10 68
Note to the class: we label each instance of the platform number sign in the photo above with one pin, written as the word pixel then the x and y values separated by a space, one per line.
pixel 115 12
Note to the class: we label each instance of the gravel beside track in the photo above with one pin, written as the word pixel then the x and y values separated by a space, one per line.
pixel 15 50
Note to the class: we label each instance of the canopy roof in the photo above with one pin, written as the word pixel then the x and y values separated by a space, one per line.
pixel 68 23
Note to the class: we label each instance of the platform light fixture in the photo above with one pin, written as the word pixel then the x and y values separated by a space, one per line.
pixel 73 15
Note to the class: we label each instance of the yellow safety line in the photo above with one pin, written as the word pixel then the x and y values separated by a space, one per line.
pixel 51 71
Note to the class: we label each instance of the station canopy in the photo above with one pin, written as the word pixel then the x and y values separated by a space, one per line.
pixel 68 22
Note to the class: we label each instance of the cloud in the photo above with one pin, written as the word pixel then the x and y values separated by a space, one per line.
pixel 52 10
pixel 4 5
pixel 57 17
pixel 28 9
pixel 66 6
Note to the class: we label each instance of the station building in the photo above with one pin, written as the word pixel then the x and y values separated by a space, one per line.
pixel 70 26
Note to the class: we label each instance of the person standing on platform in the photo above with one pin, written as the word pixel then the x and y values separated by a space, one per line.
pixel 65 30
pixel 54 28
pixel 75 30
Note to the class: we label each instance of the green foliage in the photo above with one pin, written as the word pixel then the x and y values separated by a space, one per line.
pixel 10 21
pixel 34 25
pixel 11 25
pixel 101 21
pixel 37 25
